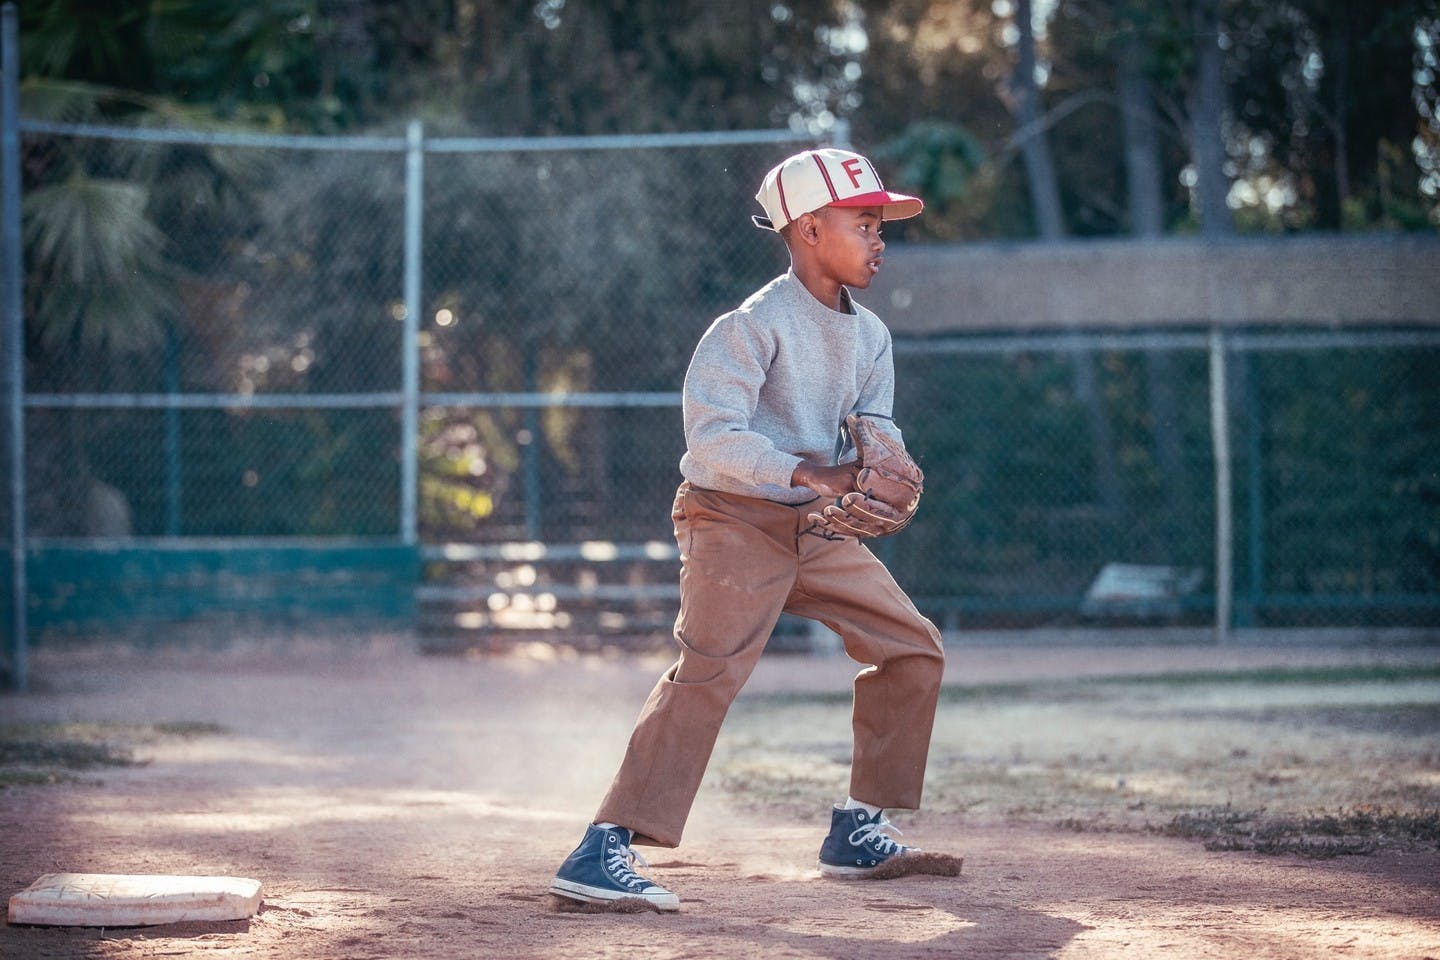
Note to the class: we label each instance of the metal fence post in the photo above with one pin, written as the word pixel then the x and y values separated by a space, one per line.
pixel 1224 522
pixel 1255 493
pixel 14 321
pixel 410 341
pixel 530 454
pixel 173 468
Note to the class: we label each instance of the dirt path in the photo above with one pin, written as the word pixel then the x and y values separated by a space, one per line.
pixel 399 806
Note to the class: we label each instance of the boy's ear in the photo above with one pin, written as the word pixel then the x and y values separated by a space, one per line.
pixel 806 228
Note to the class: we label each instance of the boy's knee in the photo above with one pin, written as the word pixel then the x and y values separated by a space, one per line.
pixel 936 643
pixel 934 656
pixel 936 663
pixel 926 655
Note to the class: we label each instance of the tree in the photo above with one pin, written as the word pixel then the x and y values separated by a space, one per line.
pixel 1140 129
pixel 1207 123
pixel 1031 130
pixel 1032 133
pixel 1330 90
pixel 930 106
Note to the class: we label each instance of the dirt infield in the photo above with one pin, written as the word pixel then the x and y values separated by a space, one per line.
pixel 1119 801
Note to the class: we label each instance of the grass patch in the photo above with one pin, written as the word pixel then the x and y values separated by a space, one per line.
pixel 1095 688
pixel 1400 719
pixel 1348 832
pixel 1279 676
pixel 187 729
pixel 41 753
pixel 53 753
pixel 1084 689
pixel 985 692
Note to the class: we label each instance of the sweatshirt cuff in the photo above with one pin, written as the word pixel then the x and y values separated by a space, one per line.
pixel 776 468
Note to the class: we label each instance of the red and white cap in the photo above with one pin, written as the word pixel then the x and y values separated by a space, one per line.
pixel 827 178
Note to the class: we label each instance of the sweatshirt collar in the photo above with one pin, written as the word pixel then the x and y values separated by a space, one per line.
pixel 821 310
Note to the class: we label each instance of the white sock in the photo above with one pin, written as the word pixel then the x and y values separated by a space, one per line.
pixel 607 825
pixel 852 804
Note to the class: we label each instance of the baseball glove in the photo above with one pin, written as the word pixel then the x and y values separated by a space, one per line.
pixel 887 488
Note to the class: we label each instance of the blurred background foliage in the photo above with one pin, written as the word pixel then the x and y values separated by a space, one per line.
pixel 180 267
pixel 1014 119
pixel 1328 105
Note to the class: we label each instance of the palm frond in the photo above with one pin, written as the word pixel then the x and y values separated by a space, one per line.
pixel 101 261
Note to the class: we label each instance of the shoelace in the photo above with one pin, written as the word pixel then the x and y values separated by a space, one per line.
pixel 870 832
pixel 619 862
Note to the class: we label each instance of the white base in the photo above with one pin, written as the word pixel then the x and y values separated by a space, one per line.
pixel 122 900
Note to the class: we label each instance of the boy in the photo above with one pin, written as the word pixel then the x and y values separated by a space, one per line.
pixel 766 391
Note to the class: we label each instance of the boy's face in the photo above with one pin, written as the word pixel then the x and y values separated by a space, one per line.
pixel 848 244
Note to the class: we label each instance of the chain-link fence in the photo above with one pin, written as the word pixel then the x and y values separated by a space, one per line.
pixel 249 386
pixel 234 371
pixel 582 274
pixel 1076 478
pixel 474 348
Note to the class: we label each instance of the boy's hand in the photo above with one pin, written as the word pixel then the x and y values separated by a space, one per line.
pixel 825 480
pixel 888 487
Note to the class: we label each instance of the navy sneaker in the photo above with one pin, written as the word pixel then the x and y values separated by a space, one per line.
pixel 857 844
pixel 599 871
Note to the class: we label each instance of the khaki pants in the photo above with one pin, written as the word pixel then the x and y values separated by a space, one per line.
pixel 743 562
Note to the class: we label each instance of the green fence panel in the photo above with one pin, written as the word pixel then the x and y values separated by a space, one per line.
pixel 82 588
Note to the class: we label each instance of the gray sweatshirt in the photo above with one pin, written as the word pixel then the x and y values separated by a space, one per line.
pixel 770 385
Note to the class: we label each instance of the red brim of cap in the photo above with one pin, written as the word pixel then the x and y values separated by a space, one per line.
pixel 896 206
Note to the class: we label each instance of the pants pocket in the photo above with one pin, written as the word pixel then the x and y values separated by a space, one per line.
pixel 679 520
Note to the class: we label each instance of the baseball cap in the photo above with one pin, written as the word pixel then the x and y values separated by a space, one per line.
pixel 828 177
